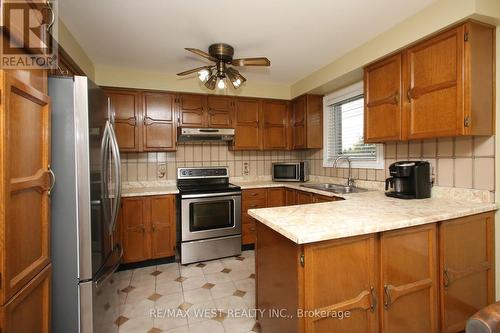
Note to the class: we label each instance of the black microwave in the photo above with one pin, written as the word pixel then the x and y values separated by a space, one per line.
pixel 290 172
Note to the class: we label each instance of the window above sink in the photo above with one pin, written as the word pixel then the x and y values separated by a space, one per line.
pixel 343 116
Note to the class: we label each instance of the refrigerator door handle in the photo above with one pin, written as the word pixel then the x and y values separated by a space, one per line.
pixel 104 173
pixel 118 181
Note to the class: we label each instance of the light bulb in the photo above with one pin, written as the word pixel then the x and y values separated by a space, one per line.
pixel 221 84
pixel 203 75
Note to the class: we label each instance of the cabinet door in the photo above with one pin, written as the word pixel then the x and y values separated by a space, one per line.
pixel 247 124
pixel 134 226
pixel 383 100
pixel 162 215
pixel 466 268
pixel 299 135
pixel 25 216
pixel 276 197
pixel 248 234
pixel 275 122
pixel 326 288
pixel 220 111
pixel 290 197
pixel 29 310
pixel 128 119
pixel 192 110
pixel 159 125
pixel 409 282
pixel 304 198
pixel 434 86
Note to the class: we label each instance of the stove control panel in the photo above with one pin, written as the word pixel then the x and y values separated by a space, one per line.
pixel 202 172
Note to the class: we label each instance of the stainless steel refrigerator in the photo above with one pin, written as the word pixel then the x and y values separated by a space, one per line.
pixel 85 206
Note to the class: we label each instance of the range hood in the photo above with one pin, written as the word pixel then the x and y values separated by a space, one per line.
pixel 205 134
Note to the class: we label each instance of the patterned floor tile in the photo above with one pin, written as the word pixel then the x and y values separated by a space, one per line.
pixel 155 273
pixel 208 285
pixel 226 270
pixel 128 289
pixel 185 306
pixel 239 293
pixel 154 297
pixel 121 320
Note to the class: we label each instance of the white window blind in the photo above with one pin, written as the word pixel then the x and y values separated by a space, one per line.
pixel 344 117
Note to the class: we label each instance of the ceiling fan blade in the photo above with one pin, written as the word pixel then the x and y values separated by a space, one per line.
pixel 201 54
pixel 193 70
pixel 251 62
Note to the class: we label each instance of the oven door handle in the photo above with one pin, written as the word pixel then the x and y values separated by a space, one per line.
pixel 208 195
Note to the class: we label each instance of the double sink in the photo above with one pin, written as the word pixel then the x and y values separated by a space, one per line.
pixel 335 188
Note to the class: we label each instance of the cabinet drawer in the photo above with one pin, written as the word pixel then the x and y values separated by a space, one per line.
pixel 254 194
pixel 248 227
pixel 246 219
pixel 252 204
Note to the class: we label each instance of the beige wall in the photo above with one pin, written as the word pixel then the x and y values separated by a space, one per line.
pixel 76 52
pixel 129 78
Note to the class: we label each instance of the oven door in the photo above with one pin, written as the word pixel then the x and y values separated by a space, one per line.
pixel 210 215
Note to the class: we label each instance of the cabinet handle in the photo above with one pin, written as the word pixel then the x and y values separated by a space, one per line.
pixel 52 180
pixel 154 227
pixel 408 94
pixel 387 300
pixel 446 281
pixel 374 301
pixel 396 97
pixel 253 194
pixel 48 6
pixel 143 228
pixel 252 206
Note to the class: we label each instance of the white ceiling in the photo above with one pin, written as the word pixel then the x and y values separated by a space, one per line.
pixel 298 36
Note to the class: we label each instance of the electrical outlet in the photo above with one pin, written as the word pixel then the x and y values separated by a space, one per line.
pixel 246 168
pixel 162 170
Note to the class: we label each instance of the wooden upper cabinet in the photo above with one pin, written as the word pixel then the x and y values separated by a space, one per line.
pixel 159 130
pixel 434 86
pixel 409 280
pixel 220 111
pixel 450 84
pixel 383 107
pixel 247 124
pixel 192 110
pixel 128 118
pixel 442 86
pixel 25 218
pixel 467 276
pixel 353 288
pixel 275 123
pixel 307 122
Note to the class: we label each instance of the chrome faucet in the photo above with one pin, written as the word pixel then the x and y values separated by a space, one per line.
pixel 350 181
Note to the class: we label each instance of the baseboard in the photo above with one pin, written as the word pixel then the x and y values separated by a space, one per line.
pixel 146 263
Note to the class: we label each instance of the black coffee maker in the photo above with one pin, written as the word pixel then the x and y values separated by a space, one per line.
pixel 409 180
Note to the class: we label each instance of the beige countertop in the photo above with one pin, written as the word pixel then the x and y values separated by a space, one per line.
pixel 360 214
pixel 147 188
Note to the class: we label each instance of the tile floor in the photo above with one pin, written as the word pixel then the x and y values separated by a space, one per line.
pixel 210 297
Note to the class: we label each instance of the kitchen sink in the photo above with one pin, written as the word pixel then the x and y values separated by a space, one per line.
pixel 335 188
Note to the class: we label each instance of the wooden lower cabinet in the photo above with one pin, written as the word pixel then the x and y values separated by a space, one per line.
pixel 29 310
pixel 466 269
pixel 272 197
pixel 147 227
pixel 326 288
pixel 390 282
pixel 304 198
pixel 408 261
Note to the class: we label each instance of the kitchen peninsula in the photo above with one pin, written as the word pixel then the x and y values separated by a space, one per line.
pixel 390 263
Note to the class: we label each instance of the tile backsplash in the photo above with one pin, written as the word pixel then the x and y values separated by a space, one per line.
pixel 463 162
pixel 150 166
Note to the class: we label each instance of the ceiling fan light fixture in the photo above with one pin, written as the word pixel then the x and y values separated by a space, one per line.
pixel 221 84
pixel 204 75
pixel 212 80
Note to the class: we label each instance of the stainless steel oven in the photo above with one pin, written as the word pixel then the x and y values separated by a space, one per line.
pixel 210 214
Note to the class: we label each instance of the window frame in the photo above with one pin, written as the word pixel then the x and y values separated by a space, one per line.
pixel 337 97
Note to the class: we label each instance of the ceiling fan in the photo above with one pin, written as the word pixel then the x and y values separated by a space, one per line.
pixel 222 55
